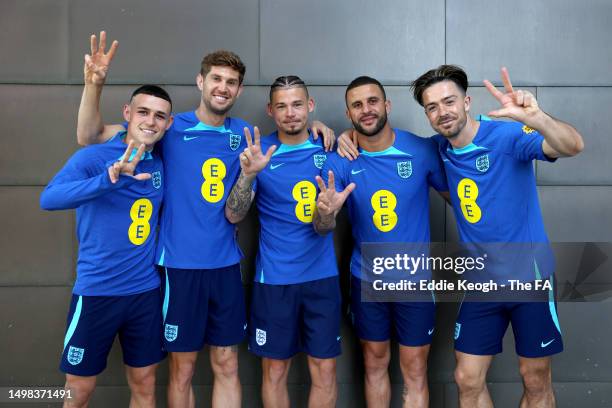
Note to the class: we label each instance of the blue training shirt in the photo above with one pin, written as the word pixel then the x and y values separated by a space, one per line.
pixel 201 166
pixel 494 196
pixel 115 222
pixel 290 251
pixel 391 200
pixel 493 186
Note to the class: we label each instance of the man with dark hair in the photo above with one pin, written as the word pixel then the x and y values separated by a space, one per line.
pixel 392 175
pixel 296 294
pixel 117 191
pixel 197 249
pixel 490 173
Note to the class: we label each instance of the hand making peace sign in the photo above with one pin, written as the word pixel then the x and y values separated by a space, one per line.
pixel 518 105
pixel 127 167
pixel 329 200
pixel 252 159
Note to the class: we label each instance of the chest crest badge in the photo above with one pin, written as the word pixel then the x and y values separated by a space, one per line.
pixel 483 163
pixel 234 141
pixel 404 169
pixel 156 179
pixel 319 159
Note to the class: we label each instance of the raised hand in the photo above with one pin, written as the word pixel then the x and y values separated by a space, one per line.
pixel 97 63
pixel 127 167
pixel 330 201
pixel 252 159
pixel 329 137
pixel 347 145
pixel 518 105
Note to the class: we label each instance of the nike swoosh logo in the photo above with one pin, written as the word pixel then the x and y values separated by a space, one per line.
pixel 274 166
pixel 185 138
pixel 338 338
pixel 542 344
pixel 430 331
pixel 245 326
pixel 445 160
pixel 353 172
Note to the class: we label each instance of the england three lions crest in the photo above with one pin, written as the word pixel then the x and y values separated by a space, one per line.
pixel 319 159
pixel 457 330
pixel 482 163
pixel 156 179
pixel 170 332
pixel 260 337
pixel 235 141
pixel 404 169
pixel 75 355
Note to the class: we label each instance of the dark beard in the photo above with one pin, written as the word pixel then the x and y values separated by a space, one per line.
pixel 380 123
pixel 219 112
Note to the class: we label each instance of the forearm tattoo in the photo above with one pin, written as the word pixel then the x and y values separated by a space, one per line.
pixel 239 199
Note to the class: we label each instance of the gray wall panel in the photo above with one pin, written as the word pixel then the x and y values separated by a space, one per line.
pixel 39 132
pixel 152 49
pixel 33 324
pixel 586 339
pixel 544 43
pixel 586 109
pixel 34 41
pixel 337 41
pixel 36 247
pixel 577 213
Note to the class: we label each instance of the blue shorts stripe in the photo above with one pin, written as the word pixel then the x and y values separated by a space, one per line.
pixel 552 307
pixel 166 296
pixel 74 322
pixel 161 257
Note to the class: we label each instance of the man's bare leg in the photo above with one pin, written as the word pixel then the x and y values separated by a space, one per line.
pixel 182 368
pixel 274 382
pixel 324 388
pixel 81 390
pixel 227 392
pixel 537 382
pixel 142 385
pixel 471 379
pixel 413 363
pixel 376 356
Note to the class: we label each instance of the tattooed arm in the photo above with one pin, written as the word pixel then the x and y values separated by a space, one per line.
pixel 252 161
pixel 329 203
pixel 240 199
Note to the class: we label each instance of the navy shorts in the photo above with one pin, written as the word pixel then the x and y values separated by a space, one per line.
pixel 94 321
pixel 480 328
pixel 412 323
pixel 203 306
pixel 287 319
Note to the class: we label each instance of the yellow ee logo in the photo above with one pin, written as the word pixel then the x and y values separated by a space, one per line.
pixel 305 193
pixel 140 213
pixel 467 191
pixel 214 172
pixel 527 130
pixel 384 203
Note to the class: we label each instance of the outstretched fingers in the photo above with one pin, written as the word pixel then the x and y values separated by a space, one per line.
pixel 128 152
pixel 497 94
pixel 506 80
pixel 331 182
pixel 348 190
pixel 257 136
pixel 270 152
pixel 138 156
pixel 247 136
pixel 321 184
